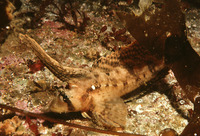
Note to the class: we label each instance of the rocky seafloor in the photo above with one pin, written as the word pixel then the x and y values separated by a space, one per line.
pixel 148 114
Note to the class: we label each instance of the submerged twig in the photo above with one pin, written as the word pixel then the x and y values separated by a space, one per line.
pixel 59 121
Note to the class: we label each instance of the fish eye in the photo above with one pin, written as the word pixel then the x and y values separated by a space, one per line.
pixel 67 101
pixel 65 98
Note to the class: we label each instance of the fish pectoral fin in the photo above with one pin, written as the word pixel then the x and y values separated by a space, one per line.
pixel 111 114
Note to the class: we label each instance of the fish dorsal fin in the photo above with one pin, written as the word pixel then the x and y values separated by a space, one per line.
pixel 136 56
pixel 132 56
pixel 112 113
pixel 107 63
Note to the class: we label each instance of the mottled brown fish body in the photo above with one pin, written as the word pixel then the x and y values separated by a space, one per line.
pixel 99 89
